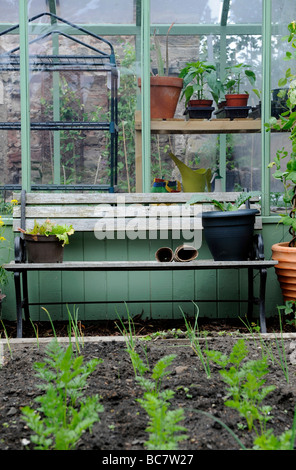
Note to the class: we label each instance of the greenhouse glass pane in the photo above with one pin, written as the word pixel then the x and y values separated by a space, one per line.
pixel 90 12
pixel 187 11
pixel 9 11
pixel 81 156
pixel 10 147
pixel 242 12
pixel 283 12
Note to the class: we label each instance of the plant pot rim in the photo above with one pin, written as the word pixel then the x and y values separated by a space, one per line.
pixel 221 214
pixel 237 94
pixel 40 238
pixel 164 81
pixel 283 247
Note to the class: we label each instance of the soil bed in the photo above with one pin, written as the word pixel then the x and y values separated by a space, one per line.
pixel 123 422
pixel 142 327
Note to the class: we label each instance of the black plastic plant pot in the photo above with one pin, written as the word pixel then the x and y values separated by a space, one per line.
pixel 229 235
pixel 196 112
pixel 233 112
pixel 43 249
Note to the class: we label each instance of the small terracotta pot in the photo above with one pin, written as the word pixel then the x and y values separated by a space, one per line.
pixel 239 100
pixel 164 96
pixel 286 268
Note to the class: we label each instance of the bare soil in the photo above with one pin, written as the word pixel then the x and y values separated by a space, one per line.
pixel 123 423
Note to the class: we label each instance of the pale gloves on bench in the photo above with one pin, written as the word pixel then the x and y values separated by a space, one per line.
pixel 183 253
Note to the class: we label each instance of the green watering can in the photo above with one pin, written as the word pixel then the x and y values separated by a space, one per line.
pixel 193 181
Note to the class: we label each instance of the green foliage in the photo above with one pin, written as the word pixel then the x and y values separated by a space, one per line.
pixel 224 206
pixel 237 75
pixel 159 372
pixel 195 78
pixel 62 232
pixel 289 308
pixel 245 384
pixel 164 428
pixel 64 413
pixel 286 122
pixel 268 441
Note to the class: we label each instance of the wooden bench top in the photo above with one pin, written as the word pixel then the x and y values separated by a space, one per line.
pixel 137 265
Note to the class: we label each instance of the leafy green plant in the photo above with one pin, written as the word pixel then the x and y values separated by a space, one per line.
pixel 62 232
pixel 164 428
pixel 224 206
pixel 268 441
pixel 289 308
pixel 237 75
pixel 64 413
pixel 197 81
pixel 245 380
pixel 286 122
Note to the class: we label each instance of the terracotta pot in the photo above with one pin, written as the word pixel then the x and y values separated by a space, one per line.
pixel 43 249
pixel 200 103
pixel 237 99
pixel 164 96
pixel 286 268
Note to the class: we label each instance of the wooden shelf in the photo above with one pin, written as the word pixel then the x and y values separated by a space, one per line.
pixel 200 126
pixel 191 126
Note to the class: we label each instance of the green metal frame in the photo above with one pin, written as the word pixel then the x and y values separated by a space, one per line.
pixel 142 31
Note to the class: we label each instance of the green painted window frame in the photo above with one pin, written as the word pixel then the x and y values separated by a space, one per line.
pixel 142 30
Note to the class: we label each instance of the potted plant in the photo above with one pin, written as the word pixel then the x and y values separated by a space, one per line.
pixel 285 253
pixel 229 230
pixel 164 89
pixel 199 79
pixel 235 96
pixel 45 243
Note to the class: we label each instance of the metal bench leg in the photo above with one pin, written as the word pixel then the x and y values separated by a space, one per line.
pixel 25 302
pixel 250 294
pixel 263 277
pixel 19 313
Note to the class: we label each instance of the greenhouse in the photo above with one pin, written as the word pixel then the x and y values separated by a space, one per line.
pixel 82 144
pixel 147 228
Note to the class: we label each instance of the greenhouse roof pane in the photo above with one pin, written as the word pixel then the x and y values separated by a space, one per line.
pixel 89 12
pixel 242 12
pixel 283 12
pixel 9 11
pixel 185 12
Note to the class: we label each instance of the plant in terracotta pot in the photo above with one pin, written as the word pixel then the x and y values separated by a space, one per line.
pixel 45 242
pixel 164 89
pixel 229 231
pixel 285 165
pixel 233 84
pixel 199 81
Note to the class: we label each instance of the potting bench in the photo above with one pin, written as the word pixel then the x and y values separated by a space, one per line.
pixel 114 214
